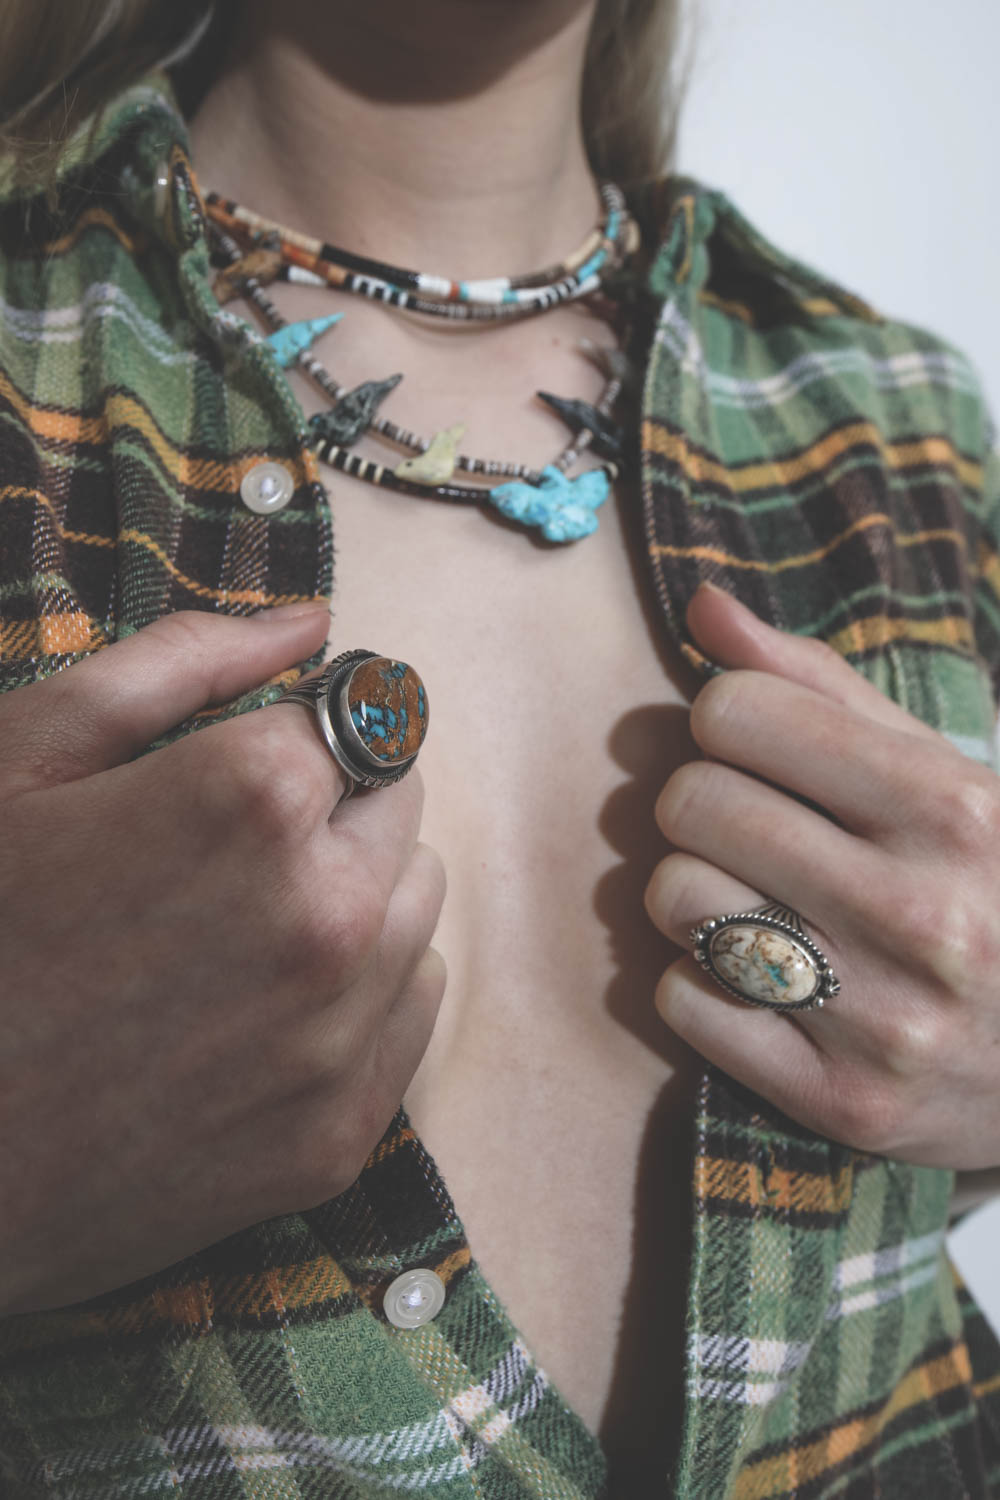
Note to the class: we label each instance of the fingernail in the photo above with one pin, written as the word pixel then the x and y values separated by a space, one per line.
pixel 306 609
pixel 713 588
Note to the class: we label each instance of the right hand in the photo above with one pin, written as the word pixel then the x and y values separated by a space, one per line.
pixel 216 982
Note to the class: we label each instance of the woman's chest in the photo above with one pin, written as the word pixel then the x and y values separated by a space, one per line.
pixel 552 1098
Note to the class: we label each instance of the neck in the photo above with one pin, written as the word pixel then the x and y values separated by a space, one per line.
pixel 444 136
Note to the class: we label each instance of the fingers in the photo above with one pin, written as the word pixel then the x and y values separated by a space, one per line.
pixel 102 711
pixel 767 1052
pixel 767 841
pixel 376 832
pixel 409 1024
pixel 865 775
pixel 394 1002
pixel 782 1057
pixel 855 1026
pixel 769 845
pixel 314 1145
pixel 410 921
pixel 683 890
pixel 732 635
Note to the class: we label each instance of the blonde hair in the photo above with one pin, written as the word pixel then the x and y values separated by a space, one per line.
pixel 61 64
pixel 634 82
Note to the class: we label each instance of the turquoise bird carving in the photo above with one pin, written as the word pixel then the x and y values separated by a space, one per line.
pixel 292 340
pixel 563 508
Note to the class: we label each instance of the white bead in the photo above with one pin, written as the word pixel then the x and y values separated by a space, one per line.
pixel 304 277
pixel 414 1299
pixel 266 487
pixel 486 291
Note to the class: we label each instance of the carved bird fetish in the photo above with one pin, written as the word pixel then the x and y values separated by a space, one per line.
pixel 292 340
pixel 563 508
pixel 261 266
pixel 436 464
pixel 344 423
pixel 607 438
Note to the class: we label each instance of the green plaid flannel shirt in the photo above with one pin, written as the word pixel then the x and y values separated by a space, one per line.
pixel 834 469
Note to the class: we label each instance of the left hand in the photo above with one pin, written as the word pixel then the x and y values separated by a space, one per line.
pixel 894 869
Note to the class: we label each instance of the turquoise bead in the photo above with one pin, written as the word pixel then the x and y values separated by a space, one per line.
pixel 292 340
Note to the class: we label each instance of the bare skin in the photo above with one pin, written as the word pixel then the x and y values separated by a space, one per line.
pixel 136 1088
pixel 551 1096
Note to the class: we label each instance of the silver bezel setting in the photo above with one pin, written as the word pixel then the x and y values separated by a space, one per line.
pixel 328 694
pixel 776 918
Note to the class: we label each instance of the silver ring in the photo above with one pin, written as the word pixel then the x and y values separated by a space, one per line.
pixel 764 958
pixel 372 714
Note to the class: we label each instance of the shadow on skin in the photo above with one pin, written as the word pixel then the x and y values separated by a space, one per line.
pixel 432 59
pixel 648 742
pixel 641 1424
pixel 645 1404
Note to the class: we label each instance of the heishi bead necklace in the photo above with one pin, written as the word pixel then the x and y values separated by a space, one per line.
pixel 563 508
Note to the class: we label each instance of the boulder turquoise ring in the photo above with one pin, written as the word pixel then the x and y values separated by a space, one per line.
pixel 371 712
pixel 764 958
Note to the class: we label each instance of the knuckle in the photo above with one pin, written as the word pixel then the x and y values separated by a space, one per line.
pixel 34 737
pixel 968 811
pixel 433 880
pixel 430 977
pixel 679 805
pixel 671 889
pixel 328 936
pixel 341 1113
pixel 405 801
pixel 943 936
pixel 663 992
pixel 306 953
pixel 717 703
pixel 265 777
pixel 821 652
pixel 914 1039
pixel 351 1124
pixel 907 913
pixel 411 789
pixel 657 897
pixel 864 1112
pixel 190 640
pixel 352 923
pixel 182 630
pixel 328 1169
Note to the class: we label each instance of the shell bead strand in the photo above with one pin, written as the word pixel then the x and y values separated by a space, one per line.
pixel 493 298
pixel 563 508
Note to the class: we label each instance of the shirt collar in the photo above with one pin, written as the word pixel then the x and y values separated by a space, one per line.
pixel 677 212
pixel 147 112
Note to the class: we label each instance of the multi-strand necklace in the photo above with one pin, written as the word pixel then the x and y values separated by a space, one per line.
pixel 252 251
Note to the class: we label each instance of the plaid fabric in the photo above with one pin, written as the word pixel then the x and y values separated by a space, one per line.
pixel 834 469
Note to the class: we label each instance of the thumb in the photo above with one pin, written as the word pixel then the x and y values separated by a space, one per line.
pixel 102 711
pixel 733 636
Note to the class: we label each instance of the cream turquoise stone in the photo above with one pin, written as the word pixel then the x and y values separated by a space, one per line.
pixel 769 967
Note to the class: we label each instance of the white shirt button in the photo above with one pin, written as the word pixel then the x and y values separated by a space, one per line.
pixel 414 1299
pixel 266 487
pixel 161 189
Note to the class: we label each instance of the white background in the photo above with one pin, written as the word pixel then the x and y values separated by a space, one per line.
pixel 862 137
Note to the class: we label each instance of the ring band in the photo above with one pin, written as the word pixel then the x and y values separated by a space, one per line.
pixel 372 714
pixel 764 958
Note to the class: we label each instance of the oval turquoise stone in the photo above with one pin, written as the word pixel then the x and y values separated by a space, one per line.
pixel 387 703
pixel 769 967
